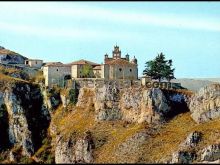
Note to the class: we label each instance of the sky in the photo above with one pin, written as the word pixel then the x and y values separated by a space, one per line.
pixel 186 32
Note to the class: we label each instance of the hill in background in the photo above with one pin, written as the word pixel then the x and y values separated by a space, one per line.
pixel 196 83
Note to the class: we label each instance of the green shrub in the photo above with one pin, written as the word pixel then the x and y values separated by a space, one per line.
pixel 73 94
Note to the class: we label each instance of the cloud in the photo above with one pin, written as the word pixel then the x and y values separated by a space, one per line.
pixel 63 32
pixel 82 12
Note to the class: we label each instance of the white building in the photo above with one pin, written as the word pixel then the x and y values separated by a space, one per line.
pixel 56 73
pixel 77 66
pixel 115 67
pixel 35 63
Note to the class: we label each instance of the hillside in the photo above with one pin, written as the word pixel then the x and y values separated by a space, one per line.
pixel 106 124
pixel 10 57
pixel 196 84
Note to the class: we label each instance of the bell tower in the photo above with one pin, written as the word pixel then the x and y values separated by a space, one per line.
pixel 116 53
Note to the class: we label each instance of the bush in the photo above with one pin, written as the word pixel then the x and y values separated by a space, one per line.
pixel 73 94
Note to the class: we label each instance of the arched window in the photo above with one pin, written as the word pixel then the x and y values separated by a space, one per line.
pixel 120 69
pixel 130 70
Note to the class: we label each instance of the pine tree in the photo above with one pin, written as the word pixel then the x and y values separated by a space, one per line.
pixel 159 68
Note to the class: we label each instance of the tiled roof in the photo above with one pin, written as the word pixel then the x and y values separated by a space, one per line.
pixel 83 62
pixel 120 62
pixel 57 64
pixel 34 60
pixel 97 67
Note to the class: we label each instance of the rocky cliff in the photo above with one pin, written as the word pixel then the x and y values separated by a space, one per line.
pixel 205 104
pixel 107 124
pixel 26 118
pixel 109 104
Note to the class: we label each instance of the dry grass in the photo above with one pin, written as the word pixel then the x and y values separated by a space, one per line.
pixel 115 134
pixel 160 146
pixel 108 135
pixel 6 80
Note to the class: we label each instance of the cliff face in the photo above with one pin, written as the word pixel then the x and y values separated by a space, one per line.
pixel 205 104
pixel 99 106
pixel 26 117
pixel 108 124
pixel 74 150
pixel 134 104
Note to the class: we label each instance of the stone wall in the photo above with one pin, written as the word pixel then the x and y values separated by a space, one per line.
pixel 34 63
pixel 56 74
pixel 123 72
pixel 99 83
pixel 120 84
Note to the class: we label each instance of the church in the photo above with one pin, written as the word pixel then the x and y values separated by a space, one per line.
pixel 113 68
pixel 117 67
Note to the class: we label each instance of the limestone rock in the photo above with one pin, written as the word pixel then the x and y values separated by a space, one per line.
pixel 211 153
pixel 140 105
pixel 18 126
pixel 65 101
pixel 183 157
pixel 74 150
pixel 192 140
pixel 106 103
pixel 27 117
pixel 130 104
pixel 205 104
pixel 185 153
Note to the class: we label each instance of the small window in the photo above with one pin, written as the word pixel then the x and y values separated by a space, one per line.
pixel 57 70
pixel 130 70
pixel 120 69
pixel 36 62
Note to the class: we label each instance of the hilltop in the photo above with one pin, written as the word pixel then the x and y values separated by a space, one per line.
pixel 10 57
pixel 106 123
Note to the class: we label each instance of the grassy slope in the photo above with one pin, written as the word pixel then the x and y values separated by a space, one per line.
pixel 159 147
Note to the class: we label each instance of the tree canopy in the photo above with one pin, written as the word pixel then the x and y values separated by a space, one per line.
pixel 87 71
pixel 159 68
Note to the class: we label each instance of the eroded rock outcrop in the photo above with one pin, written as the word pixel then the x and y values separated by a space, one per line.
pixel 140 105
pixel 192 140
pixel 205 104
pixel 10 57
pixel 183 157
pixel 136 104
pixel 74 149
pixel 186 153
pixel 27 118
pixel 211 153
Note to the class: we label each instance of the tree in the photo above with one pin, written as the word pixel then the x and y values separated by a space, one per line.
pixel 87 71
pixel 159 68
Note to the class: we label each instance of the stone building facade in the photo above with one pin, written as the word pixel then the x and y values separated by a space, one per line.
pixel 35 63
pixel 56 73
pixel 114 68
pixel 117 67
pixel 77 66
